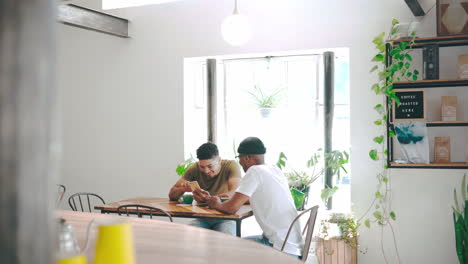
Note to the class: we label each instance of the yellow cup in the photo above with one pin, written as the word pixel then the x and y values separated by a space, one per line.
pixel 114 245
pixel 80 259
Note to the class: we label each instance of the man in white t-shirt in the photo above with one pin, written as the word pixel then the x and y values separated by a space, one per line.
pixel 267 189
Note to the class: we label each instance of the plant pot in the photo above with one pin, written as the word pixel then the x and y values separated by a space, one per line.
pixel 331 250
pixel 300 198
pixel 265 112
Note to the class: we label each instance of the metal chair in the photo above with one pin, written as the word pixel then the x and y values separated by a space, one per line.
pixel 309 226
pixel 60 193
pixel 72 202
pixel 139 213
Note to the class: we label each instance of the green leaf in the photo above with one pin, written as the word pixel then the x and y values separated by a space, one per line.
pixel 374 68
pixel 367 223
pixel 393 215
pixel 327 193
pixel 378 122
pixel 379 140
pixel 376 88
pixel 373 154
pixel 379 108
pixel 455 198
pixel 407 65
pixel 394 22
pixel 391 133
pixel 385 152
pixel 395 51
pixel 378 57
pixel 377 215
pixel 403 45
pixel 408 57
pixel 379 39
pixel 415 77
pixel 281 163
pixel 378 195
pixel 385 179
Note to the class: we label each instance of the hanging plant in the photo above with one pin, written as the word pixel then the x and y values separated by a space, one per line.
pixel 394 67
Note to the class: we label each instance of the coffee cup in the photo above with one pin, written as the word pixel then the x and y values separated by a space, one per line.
pixel 187 198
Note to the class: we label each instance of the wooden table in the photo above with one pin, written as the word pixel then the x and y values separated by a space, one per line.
pixel 165 242
pixel 181 211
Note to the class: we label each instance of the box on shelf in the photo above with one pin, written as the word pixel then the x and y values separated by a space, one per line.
pixel 442 150
pixel 463 66
pixel 448 108
pixel 431 62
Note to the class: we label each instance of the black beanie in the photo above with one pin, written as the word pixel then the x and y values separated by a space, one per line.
pixel 252 146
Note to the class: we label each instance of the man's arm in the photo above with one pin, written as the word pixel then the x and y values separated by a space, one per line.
pixel 231 206
pixel 233 183
pixel 178 189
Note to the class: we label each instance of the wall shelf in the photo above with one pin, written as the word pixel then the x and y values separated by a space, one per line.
pixel 431 83
pixel 445 41
pixel 444 123
pixel 452 165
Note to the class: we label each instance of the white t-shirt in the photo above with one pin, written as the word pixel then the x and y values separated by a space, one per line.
pixel 272 206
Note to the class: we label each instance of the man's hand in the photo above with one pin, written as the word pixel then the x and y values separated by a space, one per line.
pixel 201 196
pixel 185 186
pixel 213 201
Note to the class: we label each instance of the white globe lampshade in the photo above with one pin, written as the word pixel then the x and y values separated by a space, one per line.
pixel 236 29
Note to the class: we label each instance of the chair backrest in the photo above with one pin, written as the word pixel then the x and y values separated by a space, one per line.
pixel 135 209
pixel 72 201
pixel 60 193
pixel 309 227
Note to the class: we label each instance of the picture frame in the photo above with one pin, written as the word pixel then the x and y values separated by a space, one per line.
pixel 452 18
pixel 412 105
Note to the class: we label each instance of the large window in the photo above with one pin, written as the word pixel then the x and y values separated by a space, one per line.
pixel 294 126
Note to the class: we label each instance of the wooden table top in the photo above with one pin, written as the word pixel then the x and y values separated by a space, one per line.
pixel 165 242
pixel 178 211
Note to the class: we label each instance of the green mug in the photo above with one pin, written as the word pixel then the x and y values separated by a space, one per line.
pixel 187 198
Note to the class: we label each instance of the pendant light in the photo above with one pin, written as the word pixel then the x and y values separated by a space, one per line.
pixel 236 28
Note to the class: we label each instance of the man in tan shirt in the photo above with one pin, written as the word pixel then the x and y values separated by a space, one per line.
pixel 216 176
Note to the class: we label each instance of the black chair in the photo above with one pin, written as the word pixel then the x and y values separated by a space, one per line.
pixel 60 193
pixel 310 230
pixel 80 197
pixel 135 209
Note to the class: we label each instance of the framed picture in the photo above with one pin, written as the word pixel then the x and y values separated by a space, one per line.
pixel 412 105
pixel 452 17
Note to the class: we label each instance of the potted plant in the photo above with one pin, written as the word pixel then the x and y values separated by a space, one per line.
pixel 342 228
pixel 460 222
pixel 184 165
pixel 299 181
pixel 265 100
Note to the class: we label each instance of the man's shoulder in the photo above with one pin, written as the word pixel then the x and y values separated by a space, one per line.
pixel 229 164
pixel 264 169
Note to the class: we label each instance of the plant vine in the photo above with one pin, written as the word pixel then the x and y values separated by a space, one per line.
pixel 393 63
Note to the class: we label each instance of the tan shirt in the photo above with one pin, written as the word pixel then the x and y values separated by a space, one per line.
pixel 219 183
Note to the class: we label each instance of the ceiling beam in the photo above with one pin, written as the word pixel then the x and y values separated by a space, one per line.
pixel 415 7
pixel 77 16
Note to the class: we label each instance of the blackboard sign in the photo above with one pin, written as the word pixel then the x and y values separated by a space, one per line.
pixel 411 105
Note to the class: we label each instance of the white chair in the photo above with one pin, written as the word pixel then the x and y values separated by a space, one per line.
pixel 310 230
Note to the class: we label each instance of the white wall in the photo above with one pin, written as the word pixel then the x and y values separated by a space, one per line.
pixel 123 119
